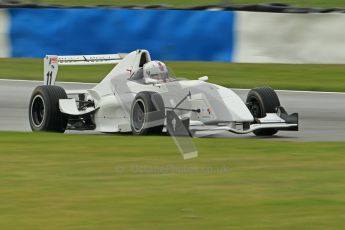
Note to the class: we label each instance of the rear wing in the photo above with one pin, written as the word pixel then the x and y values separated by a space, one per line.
pixel 52 63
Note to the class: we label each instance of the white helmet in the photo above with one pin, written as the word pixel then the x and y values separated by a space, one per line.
pixel 155 72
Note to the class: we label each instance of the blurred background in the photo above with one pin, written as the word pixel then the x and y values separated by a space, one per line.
pixel 222 31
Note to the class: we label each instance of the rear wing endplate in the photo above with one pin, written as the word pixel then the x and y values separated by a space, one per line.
pixel 52 63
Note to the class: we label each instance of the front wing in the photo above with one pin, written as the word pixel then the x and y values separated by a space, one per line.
pixel 279 121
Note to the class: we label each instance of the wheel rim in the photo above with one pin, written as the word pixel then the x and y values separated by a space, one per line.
pixel 255 108
pixel 37 111
pixel 138 115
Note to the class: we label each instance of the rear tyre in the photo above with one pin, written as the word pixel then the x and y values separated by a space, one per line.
pixel 44 112
pixel 260 101
pixel 147 114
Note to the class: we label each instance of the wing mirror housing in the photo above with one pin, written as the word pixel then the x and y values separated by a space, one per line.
pixel 204 78
pixel 151 81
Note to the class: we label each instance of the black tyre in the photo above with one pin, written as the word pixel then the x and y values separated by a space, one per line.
pixel 147 114
pixel 260 101
pixel 44 112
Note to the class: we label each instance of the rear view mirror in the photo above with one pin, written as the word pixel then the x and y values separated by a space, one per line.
pixel 204 78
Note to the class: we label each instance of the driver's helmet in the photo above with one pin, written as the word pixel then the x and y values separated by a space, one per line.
pixel 155 72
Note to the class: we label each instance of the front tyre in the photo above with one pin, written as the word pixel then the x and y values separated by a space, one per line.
pixel 260 101
pixel 44 112
pixel 147 114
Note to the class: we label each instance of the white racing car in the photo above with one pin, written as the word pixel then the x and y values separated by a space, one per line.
pixel 143 96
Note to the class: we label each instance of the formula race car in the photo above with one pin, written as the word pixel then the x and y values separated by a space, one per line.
pixel 144 97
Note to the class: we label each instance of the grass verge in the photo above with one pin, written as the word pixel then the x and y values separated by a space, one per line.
pixel 104 182
pixel 278 76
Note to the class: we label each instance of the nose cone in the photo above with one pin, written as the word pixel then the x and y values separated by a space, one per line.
pixel 234 104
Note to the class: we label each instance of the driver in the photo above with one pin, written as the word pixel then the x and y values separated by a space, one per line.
pixel 155 72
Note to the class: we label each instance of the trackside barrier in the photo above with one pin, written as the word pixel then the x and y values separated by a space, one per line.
pixel 186 35
pixel 290 38
pixel 261 7
pixel 168 34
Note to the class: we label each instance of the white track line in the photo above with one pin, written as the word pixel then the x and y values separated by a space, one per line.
pixel 278 90
pixel 63 82
pixel 301 91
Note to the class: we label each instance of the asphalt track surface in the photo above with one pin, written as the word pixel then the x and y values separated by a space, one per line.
pixel 322 114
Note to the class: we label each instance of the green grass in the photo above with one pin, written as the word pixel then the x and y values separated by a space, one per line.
pixel 278 76
pixel 50 181
pixel 183 3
